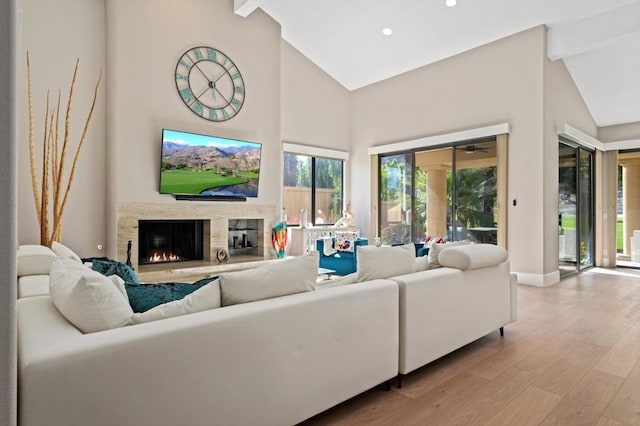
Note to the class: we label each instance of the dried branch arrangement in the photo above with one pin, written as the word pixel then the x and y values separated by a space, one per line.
pixel 52 193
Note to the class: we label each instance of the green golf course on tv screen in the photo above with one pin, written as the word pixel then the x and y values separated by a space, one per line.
pixel 208 166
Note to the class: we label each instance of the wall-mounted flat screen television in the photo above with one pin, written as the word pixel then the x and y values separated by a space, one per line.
pixel 208 166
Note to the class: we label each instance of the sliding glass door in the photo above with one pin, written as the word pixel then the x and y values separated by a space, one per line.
pixel 396 201
pixel 628 209
pixel 449 192
pixel 585 206
pixel 476 193
pixel 575 207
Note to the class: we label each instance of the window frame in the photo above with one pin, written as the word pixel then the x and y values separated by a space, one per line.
pixel 315 153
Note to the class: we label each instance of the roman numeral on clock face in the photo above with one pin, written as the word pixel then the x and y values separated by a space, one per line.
pixel 187 95
pixel 198 108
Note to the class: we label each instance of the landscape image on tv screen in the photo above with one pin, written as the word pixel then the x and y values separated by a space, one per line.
pixel 194 164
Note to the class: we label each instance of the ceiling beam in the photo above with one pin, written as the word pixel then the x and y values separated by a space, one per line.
pixel 244 8
pixel 591 33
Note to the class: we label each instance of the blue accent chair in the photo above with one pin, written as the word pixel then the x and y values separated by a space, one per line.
pixel 344 263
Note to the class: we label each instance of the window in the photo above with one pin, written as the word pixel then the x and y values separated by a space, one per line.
pixel 313 183
pixel 446 191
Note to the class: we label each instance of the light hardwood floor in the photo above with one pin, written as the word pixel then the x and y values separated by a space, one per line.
pixel 572 358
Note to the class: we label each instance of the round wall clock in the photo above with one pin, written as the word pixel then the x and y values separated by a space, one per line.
pixel 209 83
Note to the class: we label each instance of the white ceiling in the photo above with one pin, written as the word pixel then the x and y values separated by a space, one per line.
pixel 599 40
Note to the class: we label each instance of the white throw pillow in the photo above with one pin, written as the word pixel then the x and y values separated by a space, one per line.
pixel 119 283
pixel 280 278
pixel 422 263
pixel 436 248
pixel 384 262
pixel 205 298
pixel 472 256
pixel 34 259
pixel 89 300
pixel 64 252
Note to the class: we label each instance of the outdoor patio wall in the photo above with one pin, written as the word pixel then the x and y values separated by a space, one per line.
pixel 495 83
pixel 55 33
pixel 145 38
pixel 563 103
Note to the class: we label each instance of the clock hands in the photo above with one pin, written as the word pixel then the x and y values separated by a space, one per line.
pixel 203 92
pixel 221 95
pixel 214 89
pixel 212 84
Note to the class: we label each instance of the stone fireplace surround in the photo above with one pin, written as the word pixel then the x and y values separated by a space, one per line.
pixel 216 216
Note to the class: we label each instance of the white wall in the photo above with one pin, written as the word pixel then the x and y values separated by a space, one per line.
pixel 145 39
pixel 315 107
pixel 620 132
pixel 55 33
pixel 499 82
pixel 8 210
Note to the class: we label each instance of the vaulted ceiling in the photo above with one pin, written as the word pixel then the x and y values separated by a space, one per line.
pixel 599 40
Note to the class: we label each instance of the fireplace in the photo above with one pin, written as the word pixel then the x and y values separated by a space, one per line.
pixel 215 219
pixel 161 241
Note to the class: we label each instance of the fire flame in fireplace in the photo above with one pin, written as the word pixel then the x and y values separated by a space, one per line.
pixel 163 256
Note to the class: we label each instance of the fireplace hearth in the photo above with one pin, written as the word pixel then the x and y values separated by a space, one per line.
pixel 162 241
pixel 215 221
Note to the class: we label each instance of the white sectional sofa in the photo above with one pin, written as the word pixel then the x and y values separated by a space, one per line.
pixel 271 362
pixel 446 308
pixel 455 296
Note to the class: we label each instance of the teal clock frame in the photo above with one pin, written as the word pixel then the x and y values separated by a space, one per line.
pixel 221 95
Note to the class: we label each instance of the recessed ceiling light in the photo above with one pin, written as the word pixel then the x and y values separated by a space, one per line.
pixel 387 31
pixel 450 3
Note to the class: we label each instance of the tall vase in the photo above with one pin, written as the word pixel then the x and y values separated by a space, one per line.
pixel 279 238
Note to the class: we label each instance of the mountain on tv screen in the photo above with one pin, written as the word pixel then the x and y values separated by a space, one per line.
pixel 201 165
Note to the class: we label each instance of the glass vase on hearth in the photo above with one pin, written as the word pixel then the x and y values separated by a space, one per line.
pixel 279 238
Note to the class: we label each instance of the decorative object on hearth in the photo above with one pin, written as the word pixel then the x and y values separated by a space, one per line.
pixel 279 238
pixel 209 83
pixel 222 255
pixel 53 189
pixel 129 264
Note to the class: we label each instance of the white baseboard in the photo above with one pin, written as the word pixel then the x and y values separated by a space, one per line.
pixel 539 280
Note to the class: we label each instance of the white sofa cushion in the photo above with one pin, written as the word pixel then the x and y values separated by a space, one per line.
pixel 384 262
pixel 287 276
pixel 89 300
pixel 205 298
pixel 436 248
pixel 33 285
pixel 336 282
pixel 472 256
pixel 34 260
pixel 64 252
